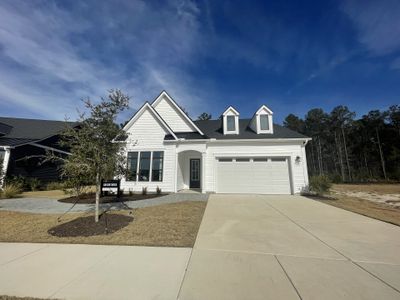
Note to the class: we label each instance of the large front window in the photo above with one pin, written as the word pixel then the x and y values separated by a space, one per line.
pixel 144 166
pixel 157 166
pixel 132 166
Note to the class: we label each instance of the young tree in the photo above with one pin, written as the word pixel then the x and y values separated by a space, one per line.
pixel 342 118
pixel 204 116
pixel 94 155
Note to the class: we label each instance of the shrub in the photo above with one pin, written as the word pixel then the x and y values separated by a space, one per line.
pixel 34 184
pixel 11 190
pixel 56 185
pixel 158 190
pixel 144 190
pixel 320 184
pixel 130 192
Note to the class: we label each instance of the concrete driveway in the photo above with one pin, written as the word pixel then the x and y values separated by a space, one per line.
pixel 290 247
pixel 91 271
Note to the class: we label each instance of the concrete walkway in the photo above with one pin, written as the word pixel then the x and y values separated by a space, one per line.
pixel 290 247
pixel 52 206
pixel 91 271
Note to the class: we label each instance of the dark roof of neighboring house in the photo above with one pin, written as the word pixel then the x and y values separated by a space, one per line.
pixel 22 131
pixel 213 129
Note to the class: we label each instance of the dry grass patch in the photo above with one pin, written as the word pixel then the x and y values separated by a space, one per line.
pixel 174 225
pixel 54 194
pixel 376 210
pixel 368 188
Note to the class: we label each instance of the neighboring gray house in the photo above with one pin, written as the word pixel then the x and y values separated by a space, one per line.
pixel 166 149
pixel 23 143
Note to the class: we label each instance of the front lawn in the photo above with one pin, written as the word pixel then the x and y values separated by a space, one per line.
pixel 174 225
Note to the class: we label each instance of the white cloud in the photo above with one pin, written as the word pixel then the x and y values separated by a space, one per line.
pixel 377 23
pixel 46 65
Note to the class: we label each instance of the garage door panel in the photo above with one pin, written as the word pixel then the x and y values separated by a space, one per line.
pixel 271 177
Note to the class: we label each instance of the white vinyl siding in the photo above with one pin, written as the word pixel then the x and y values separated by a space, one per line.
pixel 147 134
pixel 173 117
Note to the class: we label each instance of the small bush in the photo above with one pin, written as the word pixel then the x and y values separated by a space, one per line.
pixel 144 191
pixel 158 190
pixel 130 192
pixel 320 184
pixel 34 184
pixel 11 190
pixel 56 185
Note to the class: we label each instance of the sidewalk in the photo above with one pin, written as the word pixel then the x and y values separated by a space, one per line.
pixel 91 271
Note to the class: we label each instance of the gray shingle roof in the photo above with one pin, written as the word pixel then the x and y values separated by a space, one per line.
pixel 213 129
pixel 22 131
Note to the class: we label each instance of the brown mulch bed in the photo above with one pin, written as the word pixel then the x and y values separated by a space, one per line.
pixel 91 199
pixel 86 226
pixel 173 225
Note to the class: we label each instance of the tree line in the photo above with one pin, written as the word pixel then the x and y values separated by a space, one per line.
pixel 348 149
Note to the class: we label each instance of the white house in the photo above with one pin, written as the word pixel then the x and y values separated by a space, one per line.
pixel 166 149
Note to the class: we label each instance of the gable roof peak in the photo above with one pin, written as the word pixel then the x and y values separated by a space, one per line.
pixel 165 95
pixel 230 108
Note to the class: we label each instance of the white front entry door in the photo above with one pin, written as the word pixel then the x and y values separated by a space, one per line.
pixel 253 175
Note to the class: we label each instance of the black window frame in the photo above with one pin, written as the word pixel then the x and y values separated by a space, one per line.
pixel 141 176
pixel 129 176
pixel 157 156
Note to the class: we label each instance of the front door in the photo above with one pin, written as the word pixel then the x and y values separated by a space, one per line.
pixel 194 173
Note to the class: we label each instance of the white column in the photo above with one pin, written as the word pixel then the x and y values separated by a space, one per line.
pixel 5 162
pixel 203 172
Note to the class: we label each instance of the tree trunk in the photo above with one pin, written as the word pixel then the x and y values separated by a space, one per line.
pixel 381 154
pixel 346 154
pixel 98 183
pixel 340 157
pixel 321 171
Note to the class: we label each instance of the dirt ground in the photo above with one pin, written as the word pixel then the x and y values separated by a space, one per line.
pixel 56 194
pixel 381 193
pixel 377 201
pixel 174 225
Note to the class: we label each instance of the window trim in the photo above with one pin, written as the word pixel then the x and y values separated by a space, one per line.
pixel 139 152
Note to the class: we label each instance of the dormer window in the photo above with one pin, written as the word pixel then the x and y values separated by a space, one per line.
pixel 262 121
pixel 230 121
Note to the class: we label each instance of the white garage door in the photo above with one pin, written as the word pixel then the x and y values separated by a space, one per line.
pixel 258 175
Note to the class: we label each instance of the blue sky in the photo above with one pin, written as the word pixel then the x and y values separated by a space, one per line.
pixel 290 55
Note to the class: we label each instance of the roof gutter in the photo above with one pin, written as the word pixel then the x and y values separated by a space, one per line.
pixel 212 140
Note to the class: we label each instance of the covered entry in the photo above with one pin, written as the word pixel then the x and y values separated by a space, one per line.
pixel 190 170
pixel 253 175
